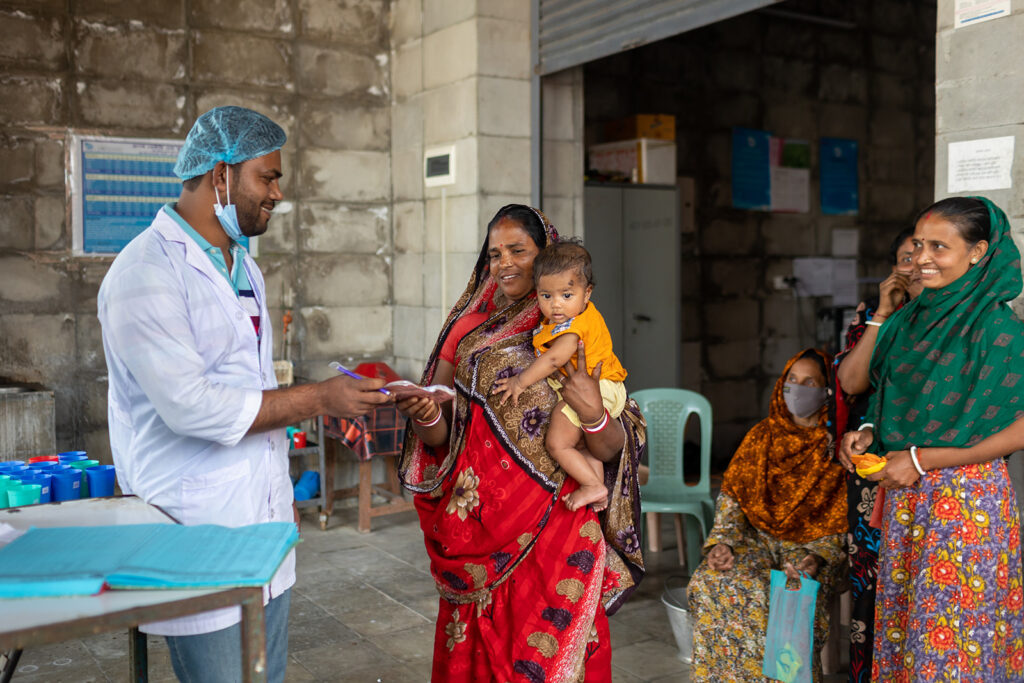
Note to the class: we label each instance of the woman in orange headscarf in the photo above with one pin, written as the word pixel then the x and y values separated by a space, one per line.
pixel 782 506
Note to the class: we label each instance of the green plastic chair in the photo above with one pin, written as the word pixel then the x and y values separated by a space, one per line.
pixel 666 412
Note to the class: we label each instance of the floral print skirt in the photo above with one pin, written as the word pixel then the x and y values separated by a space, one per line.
pixel 949 602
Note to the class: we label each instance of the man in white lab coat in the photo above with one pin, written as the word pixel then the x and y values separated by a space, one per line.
pixel 196 419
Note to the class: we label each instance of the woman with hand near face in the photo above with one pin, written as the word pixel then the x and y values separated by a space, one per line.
pixel 853 392
pixel 947 404
pixel 782 506
pixel 526 583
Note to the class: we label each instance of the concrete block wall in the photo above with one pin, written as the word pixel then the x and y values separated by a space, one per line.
pixel 460 72
pixel 980 94
pixel 873 82
pixel 321 68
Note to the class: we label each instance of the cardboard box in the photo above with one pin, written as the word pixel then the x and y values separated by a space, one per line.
pixel 653 126
pixel 642 160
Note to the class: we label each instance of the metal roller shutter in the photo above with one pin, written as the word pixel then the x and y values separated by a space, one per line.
pixel 572 32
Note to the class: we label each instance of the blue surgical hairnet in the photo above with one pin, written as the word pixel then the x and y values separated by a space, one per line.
pixel 228 134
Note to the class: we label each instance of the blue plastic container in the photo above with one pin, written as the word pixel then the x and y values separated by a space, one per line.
pixel 45 486
pixel 308 485
pixel 101 481
pixel 67 485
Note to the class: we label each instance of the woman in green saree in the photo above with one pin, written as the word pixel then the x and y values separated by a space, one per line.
pixel 948 401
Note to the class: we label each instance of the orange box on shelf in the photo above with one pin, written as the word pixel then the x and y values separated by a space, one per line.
pixel 653 126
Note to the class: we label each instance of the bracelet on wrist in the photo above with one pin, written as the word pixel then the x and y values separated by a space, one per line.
pixel 430 423
pixel 599 425
pixel 866 425
pixel 873 323
pixel 917 463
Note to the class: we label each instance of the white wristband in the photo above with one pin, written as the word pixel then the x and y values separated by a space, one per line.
pixel 865 426
pixel 873 323
pixel 913 459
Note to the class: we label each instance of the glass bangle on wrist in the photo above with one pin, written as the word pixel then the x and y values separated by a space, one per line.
pixel 430 423
pixel 913 459
pixel 598 426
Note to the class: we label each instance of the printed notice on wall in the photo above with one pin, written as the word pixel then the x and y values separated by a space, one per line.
pixel 979 165
pixel 976 11
pixel 118 186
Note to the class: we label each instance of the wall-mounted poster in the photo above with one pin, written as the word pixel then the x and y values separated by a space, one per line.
pixel 980 165
pixel 840 195
pixel 751 174
pixel 976 11
pixel 790 162
pixel 118 185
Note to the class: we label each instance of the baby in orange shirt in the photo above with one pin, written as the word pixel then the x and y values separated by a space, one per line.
pixel 562 275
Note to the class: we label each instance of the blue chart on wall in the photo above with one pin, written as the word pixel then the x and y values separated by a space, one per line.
pixel 839 185
pixel 751 173
pixel 121 184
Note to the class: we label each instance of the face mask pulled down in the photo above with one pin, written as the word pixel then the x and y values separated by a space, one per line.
pixel 227 214
pixel 803 401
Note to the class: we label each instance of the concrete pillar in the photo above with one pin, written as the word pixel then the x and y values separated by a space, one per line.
pixel 460 75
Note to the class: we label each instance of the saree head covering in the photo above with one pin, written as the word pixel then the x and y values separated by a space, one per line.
pixel 783 475
pixel 523 579
pixel 949 362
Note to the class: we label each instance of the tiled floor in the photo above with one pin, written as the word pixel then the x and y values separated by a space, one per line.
pixel 363 610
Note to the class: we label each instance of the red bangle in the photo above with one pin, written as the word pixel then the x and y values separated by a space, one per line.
pixel 431 423
pixel 594 429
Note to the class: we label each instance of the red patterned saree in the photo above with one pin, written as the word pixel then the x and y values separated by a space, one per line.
pixel 525 584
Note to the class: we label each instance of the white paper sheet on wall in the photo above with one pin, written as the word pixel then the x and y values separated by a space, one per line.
pixel 979 165
pixel 813 276
pixel 844 282
pixel 845 241
pixel 790 189
pixel 976 11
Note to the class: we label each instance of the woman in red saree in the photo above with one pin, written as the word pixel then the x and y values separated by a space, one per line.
pixel 526 585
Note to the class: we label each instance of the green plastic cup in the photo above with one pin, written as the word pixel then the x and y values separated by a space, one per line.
pixel 5 481
pixel 26 494
pixel 84 465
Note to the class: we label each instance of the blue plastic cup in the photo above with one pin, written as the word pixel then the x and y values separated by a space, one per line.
pixel 73 455
pixel 43 481
pixel 10 464
pixel 68 459
pixel 308 485
pixel 23 494
pixel 81 466
pixel 67 485
pixel 101 481
pixel 16 469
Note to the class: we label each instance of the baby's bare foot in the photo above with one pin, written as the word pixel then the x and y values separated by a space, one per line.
pixel 596 494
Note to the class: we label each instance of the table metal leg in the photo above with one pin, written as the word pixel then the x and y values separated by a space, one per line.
pixel 254 640
pixel 138 655
pixel 12 664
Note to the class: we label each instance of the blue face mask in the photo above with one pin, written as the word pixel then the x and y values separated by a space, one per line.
pixel 228 215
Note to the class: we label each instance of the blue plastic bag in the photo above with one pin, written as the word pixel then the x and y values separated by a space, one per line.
pixel 789 643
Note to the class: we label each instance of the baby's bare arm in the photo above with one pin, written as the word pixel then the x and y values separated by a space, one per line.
pixel 562 348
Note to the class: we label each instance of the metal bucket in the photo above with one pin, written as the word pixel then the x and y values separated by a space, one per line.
pixel 679 616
